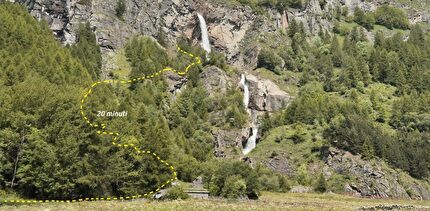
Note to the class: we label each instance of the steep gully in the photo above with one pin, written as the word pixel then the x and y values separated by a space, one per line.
pixel 252 140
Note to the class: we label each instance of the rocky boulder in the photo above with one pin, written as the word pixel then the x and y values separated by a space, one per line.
pixel 280 163
pixel 63 17
pixel 215 80
pixel 174 82
pixel 227 143
pixel 265 95
pixel 374 179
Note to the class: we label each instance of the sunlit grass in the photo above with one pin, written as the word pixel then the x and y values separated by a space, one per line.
pixel 268 201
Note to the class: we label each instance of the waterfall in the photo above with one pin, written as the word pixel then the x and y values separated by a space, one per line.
pixel 251 143
pixel 204 30
pixel 245 91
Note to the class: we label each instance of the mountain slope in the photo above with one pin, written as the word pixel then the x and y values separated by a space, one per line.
pixel 336 90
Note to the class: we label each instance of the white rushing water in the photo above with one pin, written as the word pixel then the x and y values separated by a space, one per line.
pixel 205 38
pixel 251 143
pixel 245 91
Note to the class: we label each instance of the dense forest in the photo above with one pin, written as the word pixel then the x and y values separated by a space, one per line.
pixel 368 96
pixel 48 152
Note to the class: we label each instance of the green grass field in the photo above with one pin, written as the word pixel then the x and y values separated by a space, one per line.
pixel 269 201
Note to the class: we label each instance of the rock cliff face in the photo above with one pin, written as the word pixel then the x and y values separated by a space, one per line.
pixel 229 27
pixel 216 80
pixel 266 95
pixel 61 15
pixel 374 179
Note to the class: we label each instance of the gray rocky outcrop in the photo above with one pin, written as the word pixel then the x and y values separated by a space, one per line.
pixel 374 179
pixel 233 30
pixel 215 80
pixel 175 82
pixel 265 95
pixel 62 16
pixel 227 143
pixel 394 207
pixel 280 163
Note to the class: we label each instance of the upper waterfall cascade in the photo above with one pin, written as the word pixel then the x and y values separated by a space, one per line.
pixel 205 37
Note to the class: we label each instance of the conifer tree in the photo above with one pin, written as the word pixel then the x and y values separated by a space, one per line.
pixel 364 69
pixel 293 28
pixel 321 185
pixel 379 39
pixel 87 50
pixel 336 52
pixel 416 36
pixel 367 149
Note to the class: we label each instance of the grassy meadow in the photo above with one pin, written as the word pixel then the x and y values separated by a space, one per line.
pixel 268 201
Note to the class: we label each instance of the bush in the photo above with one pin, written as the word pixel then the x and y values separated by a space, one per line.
pixel 336 183
pixel 219 60
pixel 269 60
pixel 175 193
pixel 284 185
pixel 303 176
pixel 120 9
pixel 391 17
pixel 269 182
pixel 232 179
pixel 321 185
pixel 234 187
pixel 363 19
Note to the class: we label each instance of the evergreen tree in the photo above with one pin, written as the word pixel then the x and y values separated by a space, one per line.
pixel 146 56
pixel 293 28
pixel 367 149
pixel 416 37
pixel 379 39
pixel 87 50
pixel 336 52
pixel 302 175
pixel 364 69
pixel 365 20
pixel 321 185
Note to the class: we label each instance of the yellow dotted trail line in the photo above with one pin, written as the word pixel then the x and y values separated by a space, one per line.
pixel 101 131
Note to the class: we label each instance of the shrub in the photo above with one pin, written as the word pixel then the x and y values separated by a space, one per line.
pixel 269 60
pixel 175 193
pixel 336 183
pixel 284 185
pixel 284 4
pixel 302 175
pixel 269 182
pixel 391 17
pixel 234 187
pixel 232 179
pixel 120 9
pixel 321 185
pixel 85 2
pixel 363 19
